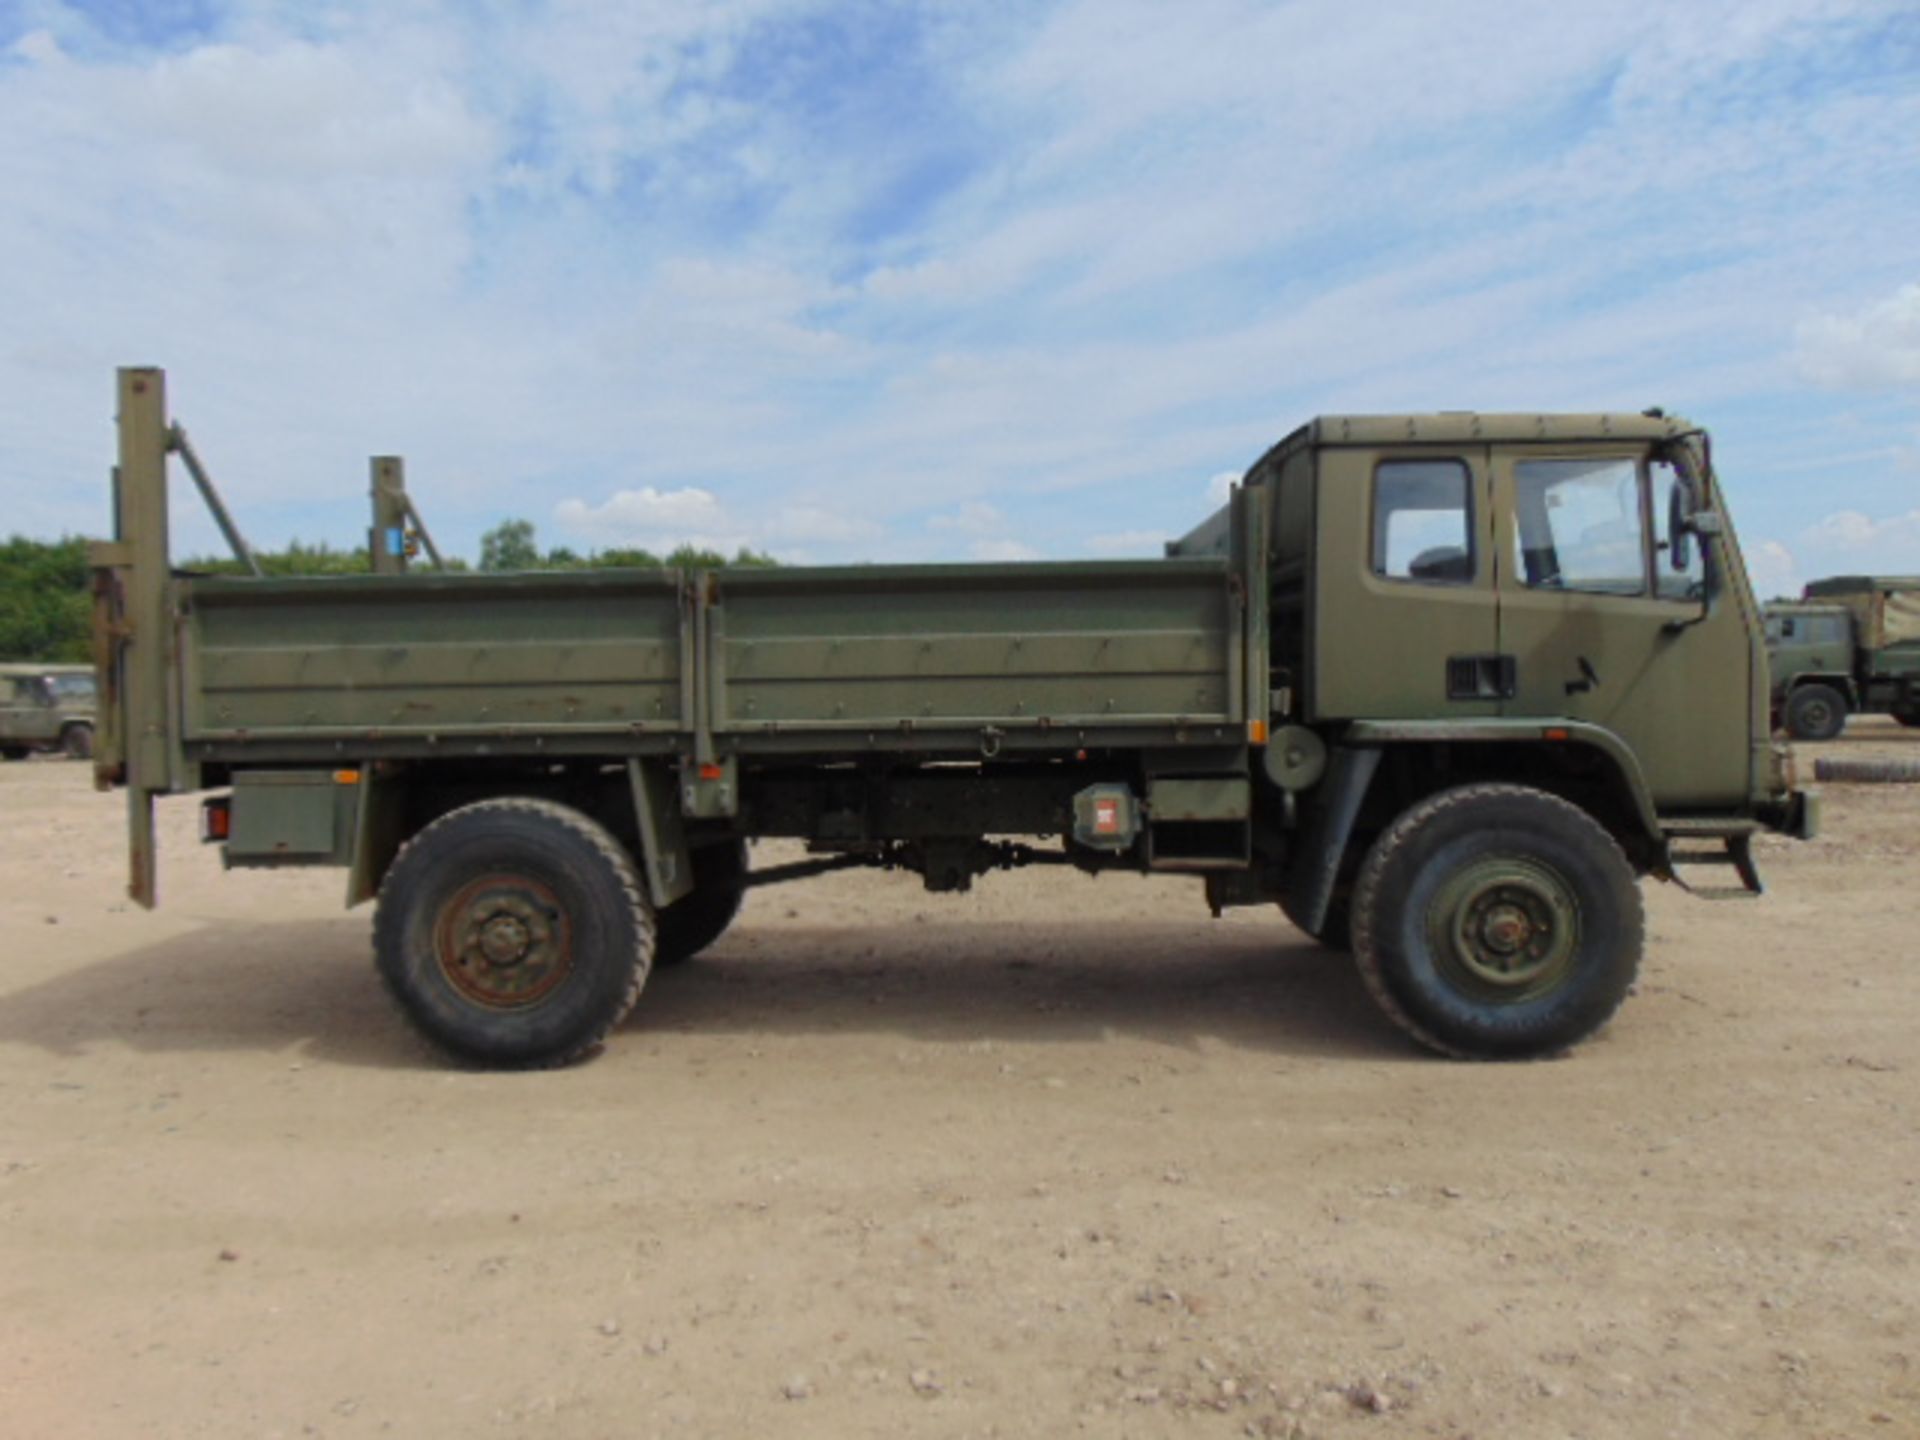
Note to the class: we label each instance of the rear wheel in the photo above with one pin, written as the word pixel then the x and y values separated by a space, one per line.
pixel 513 933
pixel 1908 718
pixel 1816 712
pixel 701 916
pixel 13 752
pixel 1497 922
pixel 77 742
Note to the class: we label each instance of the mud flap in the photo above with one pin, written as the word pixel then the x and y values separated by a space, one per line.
pixel 1312 878
pixel 664 861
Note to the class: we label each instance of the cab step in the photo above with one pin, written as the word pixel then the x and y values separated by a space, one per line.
pixel 1690 844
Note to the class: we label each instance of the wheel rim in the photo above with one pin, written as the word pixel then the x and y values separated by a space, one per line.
pixel 1816 715
pixel 1504 930
pixel 504 941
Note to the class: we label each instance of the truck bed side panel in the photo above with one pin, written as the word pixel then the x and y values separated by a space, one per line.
pixel 1149 642
pixel 419 655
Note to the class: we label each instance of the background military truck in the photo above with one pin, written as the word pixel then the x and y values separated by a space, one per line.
pixel 1442 687
pixel 1852 645
pixel 46 707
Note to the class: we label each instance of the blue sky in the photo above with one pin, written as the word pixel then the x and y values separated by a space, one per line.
pixel 936 281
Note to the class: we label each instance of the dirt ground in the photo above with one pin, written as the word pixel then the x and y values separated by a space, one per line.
pixel 1059 1156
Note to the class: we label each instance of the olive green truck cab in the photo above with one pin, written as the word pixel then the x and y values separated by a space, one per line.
pixel 1442 688
pixel 46 708
pixel 1850 646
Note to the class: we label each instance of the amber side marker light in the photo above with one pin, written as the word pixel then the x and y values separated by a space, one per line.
pixel 216 818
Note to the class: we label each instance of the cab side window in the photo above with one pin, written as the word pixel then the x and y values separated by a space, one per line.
pixel 1579 525
pixel 1423 521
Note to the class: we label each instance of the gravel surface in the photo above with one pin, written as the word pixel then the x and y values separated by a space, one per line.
pixel 1059 1156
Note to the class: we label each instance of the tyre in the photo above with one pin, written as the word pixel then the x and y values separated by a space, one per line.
pixel 702 915
pixel 514 933
pixel 76 742
pixel 1908 718
pixel 1336 931
pixel 1816 712
pixel 13 752
pixel 1497 922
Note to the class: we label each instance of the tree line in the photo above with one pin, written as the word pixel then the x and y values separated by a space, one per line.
pixel 46 609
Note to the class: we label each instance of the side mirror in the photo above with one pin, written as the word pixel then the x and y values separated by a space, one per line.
pixel 1684 522
pixel 1679 529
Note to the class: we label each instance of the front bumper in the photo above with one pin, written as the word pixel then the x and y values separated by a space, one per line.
pixel 1797 816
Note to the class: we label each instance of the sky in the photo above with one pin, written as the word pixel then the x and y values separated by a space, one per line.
pixel 946 281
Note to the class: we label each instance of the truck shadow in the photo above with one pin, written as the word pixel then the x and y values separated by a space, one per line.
pixel 308 988
pixel 1175 984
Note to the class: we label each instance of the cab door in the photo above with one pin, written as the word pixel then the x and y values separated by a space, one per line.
pixel 11 710
pixel 1612 619
pixel 1404 623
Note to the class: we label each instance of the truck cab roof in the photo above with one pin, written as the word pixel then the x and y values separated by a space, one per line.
pixel 1474 427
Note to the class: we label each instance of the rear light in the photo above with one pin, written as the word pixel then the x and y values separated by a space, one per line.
pixel 216 819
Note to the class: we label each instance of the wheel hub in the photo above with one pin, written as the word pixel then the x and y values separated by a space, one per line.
pixel 504 941
pixel 1504 929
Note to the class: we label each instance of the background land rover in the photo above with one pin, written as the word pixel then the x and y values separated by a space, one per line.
pixel 46 708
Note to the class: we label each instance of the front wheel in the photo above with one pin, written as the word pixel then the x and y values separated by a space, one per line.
pixel 1497 922
pixel 13 752
pixel 77 742
pixel 514 933
pixel 1816 712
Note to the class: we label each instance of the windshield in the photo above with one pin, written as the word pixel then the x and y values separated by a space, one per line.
pixel 70 689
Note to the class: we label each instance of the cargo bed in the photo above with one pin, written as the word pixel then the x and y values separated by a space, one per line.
pixel 734 661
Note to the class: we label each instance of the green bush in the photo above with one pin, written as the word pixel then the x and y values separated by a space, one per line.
pixel 45 611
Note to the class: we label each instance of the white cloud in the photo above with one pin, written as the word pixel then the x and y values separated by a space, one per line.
pixel 654 519
pixel 1771 570
pixel 1127 542
pixel 660 521
pixel 1851 542
pixel 974 517
pixel 814 525
pixel 1851 530
pixel 645 245
pixel 1872 348
pixel 1002 550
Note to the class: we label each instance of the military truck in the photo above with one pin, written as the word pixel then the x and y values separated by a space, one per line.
pixel 1850 646
pixel 46 708
pixel 1442 688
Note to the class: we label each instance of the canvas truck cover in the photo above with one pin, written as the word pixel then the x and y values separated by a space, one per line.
pixel 1886 611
